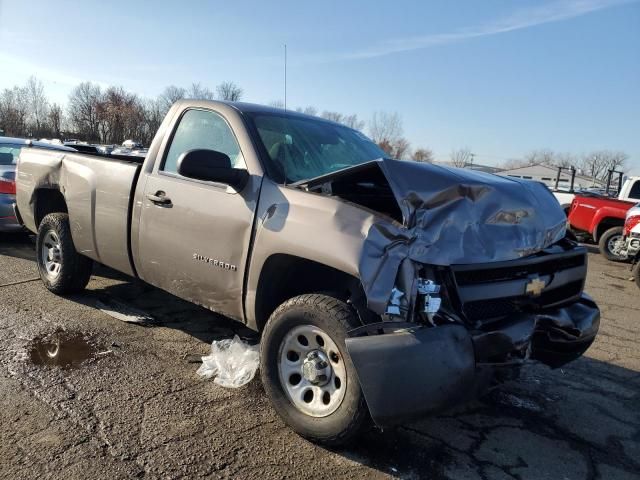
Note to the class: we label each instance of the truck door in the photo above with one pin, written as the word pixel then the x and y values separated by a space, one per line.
pixel 194 235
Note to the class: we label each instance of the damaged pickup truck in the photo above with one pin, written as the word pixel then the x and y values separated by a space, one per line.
pixel 383 289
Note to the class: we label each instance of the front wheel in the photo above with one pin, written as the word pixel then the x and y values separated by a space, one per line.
pixel 610 244
pixel 62 269
pixel 307 372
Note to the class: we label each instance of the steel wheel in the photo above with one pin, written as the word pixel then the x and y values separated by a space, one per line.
pixel 51 255
pixel 311 370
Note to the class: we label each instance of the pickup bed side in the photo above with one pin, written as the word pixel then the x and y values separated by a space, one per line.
pixel 95 192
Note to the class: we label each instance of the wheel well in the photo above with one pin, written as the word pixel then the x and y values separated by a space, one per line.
pixel 605 224
pixel 48 201
pixel 286 276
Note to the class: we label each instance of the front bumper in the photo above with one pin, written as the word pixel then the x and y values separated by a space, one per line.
pixel 407 374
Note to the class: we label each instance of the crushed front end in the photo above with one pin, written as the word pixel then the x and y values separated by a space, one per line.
pixel 471 326
pixel 477 280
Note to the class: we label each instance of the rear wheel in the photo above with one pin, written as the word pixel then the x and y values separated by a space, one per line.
pixel 62 269
pixel 610 244
pixel 307 372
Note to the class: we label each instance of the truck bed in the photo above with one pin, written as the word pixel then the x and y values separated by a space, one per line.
pixel 98 192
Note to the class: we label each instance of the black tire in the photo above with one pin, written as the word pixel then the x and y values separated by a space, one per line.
pixel 636 273
pixel 335 318
pixel 604 244
pixel 74 269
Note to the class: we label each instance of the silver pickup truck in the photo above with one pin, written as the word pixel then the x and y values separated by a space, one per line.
pixel 382 289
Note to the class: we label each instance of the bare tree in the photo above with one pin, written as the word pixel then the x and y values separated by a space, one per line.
pixel 351 121
pixel 385 127
pixel 171 95
pixel 597 164
pixel 37 105
pixel 333 116
pixel 229 91
pixel 277 104
pixel 313 111
pixel 54 120
pixel 461 157
pixel 198 92
pixel 83 109
pixel 402 148
pixel 544 156
pixel 14 111
pixel 153 115
pixel 424 155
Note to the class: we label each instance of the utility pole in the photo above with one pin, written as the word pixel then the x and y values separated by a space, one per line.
pixel 285 76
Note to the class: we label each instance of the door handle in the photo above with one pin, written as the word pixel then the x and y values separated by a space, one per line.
pixel 159 198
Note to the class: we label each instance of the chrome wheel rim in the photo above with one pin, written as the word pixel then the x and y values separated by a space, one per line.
pixel 614 245
pixel 51 254
pixel 312 371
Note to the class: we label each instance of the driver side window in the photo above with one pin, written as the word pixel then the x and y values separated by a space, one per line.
pixel 202 129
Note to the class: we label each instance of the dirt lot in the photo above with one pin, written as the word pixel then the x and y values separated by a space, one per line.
pixel 137 408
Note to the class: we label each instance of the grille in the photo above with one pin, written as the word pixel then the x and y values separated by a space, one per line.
pixel 500 274
pixel 501 307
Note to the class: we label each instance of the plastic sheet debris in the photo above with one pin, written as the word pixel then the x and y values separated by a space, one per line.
pixel 232 362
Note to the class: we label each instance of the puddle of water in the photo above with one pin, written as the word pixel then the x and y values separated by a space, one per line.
pixel 62 349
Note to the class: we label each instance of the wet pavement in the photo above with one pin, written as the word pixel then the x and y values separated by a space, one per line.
pixel 86 393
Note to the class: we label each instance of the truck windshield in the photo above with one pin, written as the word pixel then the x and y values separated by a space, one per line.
pixel 300 148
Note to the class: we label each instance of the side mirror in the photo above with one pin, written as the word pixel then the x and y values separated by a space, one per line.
pixel 211 166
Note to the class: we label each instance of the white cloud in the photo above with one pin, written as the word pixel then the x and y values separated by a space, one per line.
pixel 555 11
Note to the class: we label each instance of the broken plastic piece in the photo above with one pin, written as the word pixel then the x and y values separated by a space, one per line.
pixel 432 304
pixel 233 362
pixel 426 287
pixel 393 308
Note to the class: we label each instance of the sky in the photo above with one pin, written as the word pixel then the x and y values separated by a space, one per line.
pixel 499 77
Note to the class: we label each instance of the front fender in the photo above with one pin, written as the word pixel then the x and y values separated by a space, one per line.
pixel 315 227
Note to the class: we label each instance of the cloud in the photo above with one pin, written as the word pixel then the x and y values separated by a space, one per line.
pixel 555 11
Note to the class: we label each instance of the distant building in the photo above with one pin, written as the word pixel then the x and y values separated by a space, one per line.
pixel 547 174
pixel 474 166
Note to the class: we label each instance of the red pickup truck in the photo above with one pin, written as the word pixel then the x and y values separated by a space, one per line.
pixel 601 217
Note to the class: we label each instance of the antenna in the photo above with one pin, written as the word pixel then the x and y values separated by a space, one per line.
pixel 285 76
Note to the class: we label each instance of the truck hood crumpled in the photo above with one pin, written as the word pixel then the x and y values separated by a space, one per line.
pixel 455 216
pixel 449 216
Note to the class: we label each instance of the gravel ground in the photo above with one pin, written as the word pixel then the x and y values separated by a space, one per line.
pixel 137 409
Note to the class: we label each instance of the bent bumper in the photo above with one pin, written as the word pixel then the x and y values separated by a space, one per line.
pixel 408 374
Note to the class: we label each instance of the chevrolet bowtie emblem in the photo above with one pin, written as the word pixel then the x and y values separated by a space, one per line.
pixel 534 287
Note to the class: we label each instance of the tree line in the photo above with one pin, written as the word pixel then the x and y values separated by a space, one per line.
pixel 112 114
